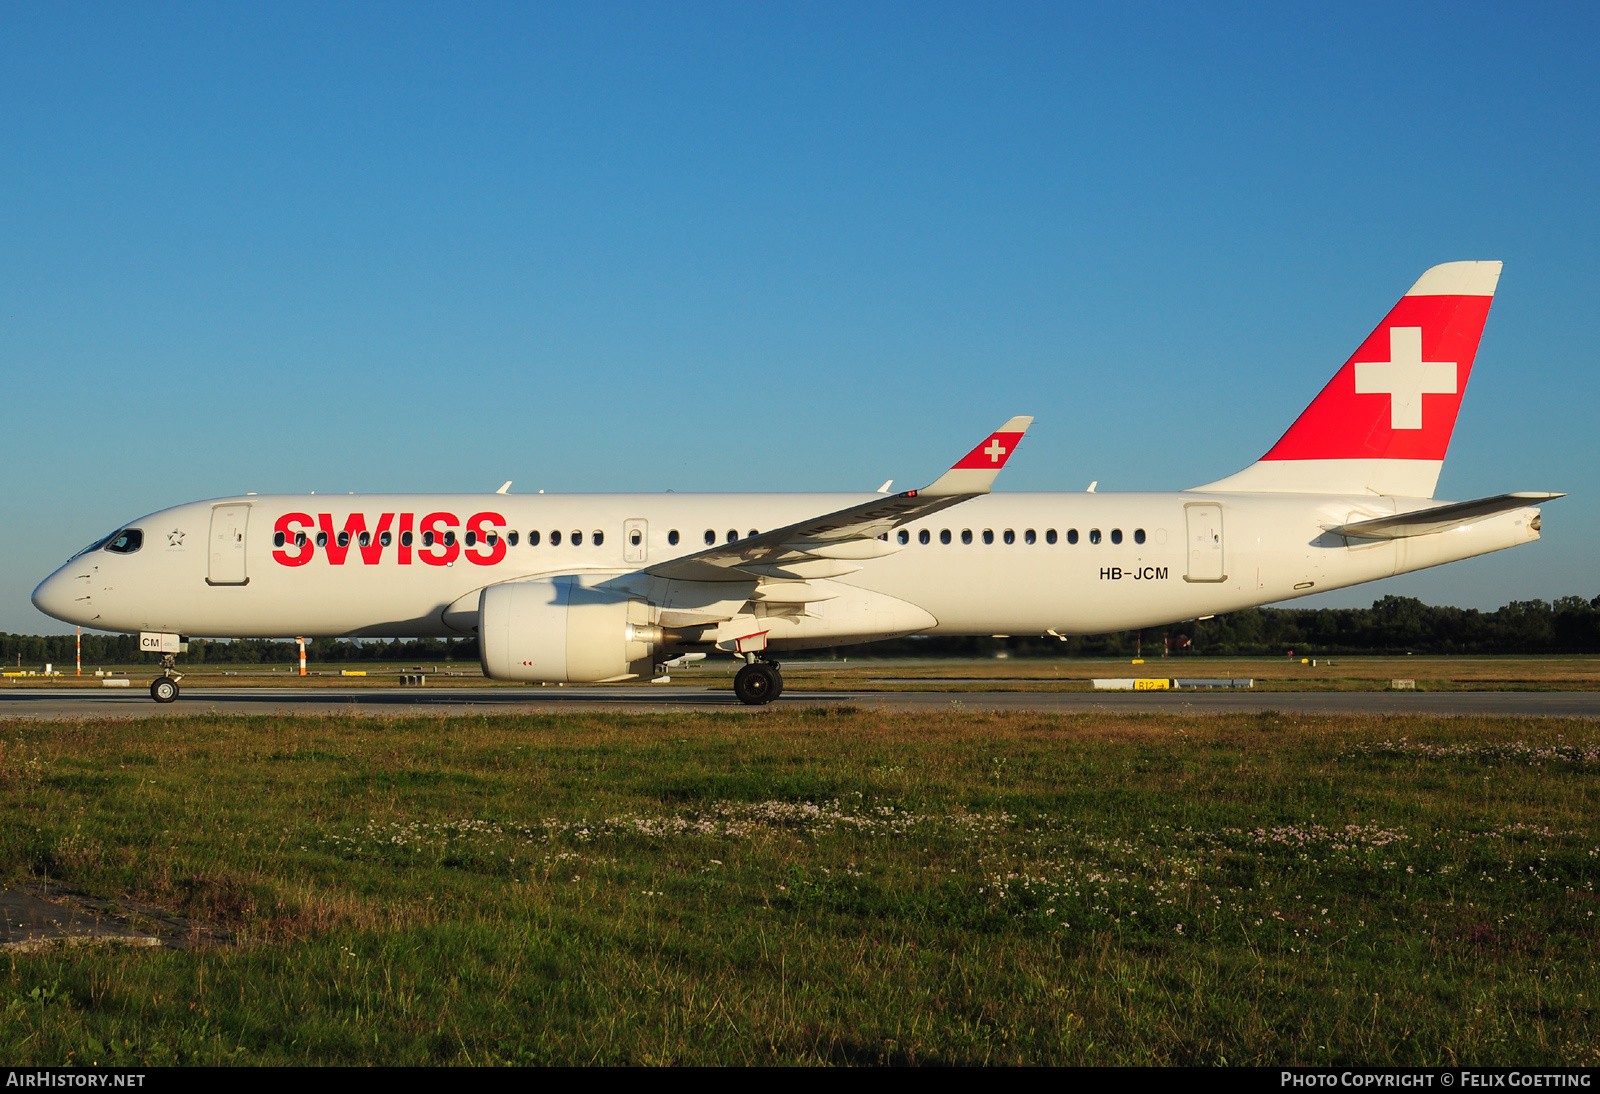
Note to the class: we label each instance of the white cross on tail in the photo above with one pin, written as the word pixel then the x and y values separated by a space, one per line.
pixel 994 451
pixel 1405 377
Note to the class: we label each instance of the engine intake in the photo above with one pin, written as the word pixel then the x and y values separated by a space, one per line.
pixel 558 630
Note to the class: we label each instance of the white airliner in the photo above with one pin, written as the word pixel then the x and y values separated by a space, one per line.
pixel 607 587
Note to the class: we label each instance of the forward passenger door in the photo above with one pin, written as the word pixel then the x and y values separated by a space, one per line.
pixel 226 545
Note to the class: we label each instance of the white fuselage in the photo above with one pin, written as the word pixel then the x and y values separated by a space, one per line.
pixel 1193 561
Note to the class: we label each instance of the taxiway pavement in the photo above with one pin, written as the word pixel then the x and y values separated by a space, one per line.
pixel 81 703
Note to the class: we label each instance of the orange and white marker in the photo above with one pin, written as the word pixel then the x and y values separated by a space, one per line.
pixel 302 642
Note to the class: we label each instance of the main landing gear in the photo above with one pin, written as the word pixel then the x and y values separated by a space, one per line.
pixel 758 683
pixel 165 688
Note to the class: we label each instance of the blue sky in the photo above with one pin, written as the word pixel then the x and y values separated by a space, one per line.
pixel 765 247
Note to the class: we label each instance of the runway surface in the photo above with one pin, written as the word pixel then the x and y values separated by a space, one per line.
pixel 434 702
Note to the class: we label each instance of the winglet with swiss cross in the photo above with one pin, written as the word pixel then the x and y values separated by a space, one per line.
pixel 975 472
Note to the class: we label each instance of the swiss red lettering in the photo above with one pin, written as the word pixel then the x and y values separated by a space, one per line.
pixel 497 551
pixel 372 553
pixel 299 548
pixel 288 525
pixel 354 525
pixel 441 553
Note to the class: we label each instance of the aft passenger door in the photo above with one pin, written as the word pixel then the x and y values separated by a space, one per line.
pixel 1205 543
pixel 226 545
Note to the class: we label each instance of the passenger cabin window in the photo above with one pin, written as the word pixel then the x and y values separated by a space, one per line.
pixel 492 538
pixel 635 537
pixel 754 533
pixel 450 538
pixel 1138 535
pixel 1094 535
pixel 923 536
pixel 322 538
pixel 1009 536
pixel 944 535
pixel 988 535
pixel 365 539
pixel 1072 535
pixel 1050 535
pixel 533 539
pixel 511 539
pixel 577 538
pixel 344 539
pixel 277 539
pixel 405 539
pixel 427 539
pixel 599 537
pixel 672 538
pixel 733 535
pixel 966 535
pixel 472 539
pixel 1116 535
pixel 384 539
pixel 300 539
pixel 555 539
pixel 711 537
pixel 1029 538
pixel 903 536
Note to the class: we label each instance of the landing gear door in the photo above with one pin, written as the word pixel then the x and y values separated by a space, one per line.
pixel 226 545
pixel 1205 543
pixel 635 540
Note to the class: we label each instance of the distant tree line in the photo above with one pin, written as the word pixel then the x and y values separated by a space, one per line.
pixel 123 649
pixel 1394 624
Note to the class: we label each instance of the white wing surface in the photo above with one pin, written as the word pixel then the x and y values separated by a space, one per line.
pixel 831 545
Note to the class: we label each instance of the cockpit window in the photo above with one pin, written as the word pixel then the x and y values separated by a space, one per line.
pixel 126 541
pixel 96 545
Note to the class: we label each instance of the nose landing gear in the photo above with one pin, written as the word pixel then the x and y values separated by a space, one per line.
pixel 165 687
pixel 758 683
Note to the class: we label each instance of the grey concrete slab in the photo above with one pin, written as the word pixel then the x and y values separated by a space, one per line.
pixel 30 920
pixel 33 917
pixel 76 703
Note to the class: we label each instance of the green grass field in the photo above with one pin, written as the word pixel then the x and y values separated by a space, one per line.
pixel 815 887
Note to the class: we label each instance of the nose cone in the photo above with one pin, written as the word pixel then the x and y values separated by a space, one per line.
pixel 62 598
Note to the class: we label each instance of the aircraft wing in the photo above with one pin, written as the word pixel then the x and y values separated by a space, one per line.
pixel 1439 518
pixel 829 545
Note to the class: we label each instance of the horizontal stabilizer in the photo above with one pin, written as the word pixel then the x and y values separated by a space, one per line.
pixel 1440 518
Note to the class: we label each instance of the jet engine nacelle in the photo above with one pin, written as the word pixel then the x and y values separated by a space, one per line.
pixel 557 630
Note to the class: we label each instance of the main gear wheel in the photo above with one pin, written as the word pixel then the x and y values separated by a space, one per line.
pixel 758 683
